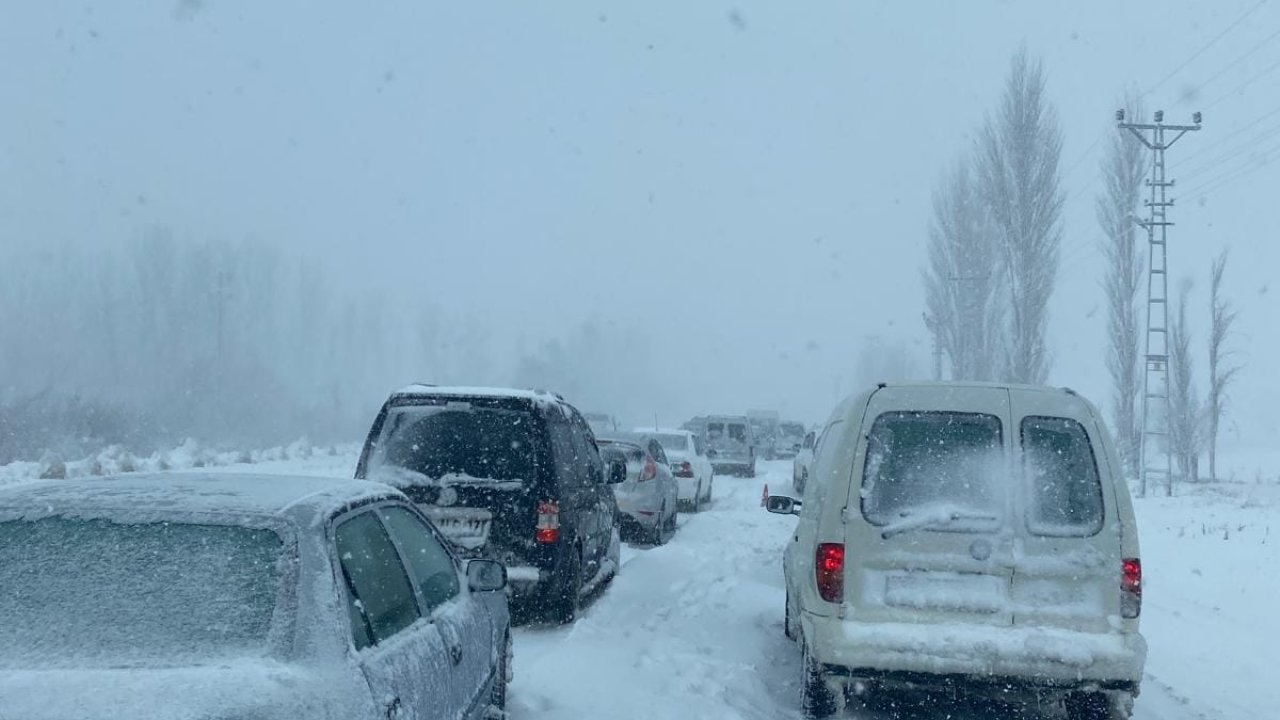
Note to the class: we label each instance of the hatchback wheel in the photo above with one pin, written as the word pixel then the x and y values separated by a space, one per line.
pixel 660 530
pixel 502 676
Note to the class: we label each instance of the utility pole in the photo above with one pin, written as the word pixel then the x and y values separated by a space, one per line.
pixel 1155 388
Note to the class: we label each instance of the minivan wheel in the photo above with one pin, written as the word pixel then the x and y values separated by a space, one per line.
pixel 786 618
pixel 565 607
pixel 816 699
pixel 1087 706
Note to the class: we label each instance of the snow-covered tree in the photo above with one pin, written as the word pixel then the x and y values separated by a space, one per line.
pixel 1017 164
pixel 1185 412
pixel 962 279
pixel 1221 319
pixel 1123 169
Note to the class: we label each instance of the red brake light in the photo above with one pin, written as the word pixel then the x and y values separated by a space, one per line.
pixel 829 571
pixel 548 528
pixel 685 470
pixel 650 469
pixel 1131 587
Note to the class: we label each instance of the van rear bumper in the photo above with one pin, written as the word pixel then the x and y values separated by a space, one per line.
pixel 1040 657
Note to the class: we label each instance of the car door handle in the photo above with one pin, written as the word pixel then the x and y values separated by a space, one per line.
pixel 455 652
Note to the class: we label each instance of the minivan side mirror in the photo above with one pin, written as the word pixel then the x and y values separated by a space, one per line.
pixel 782 505
pixel 617 472
pixel 486 575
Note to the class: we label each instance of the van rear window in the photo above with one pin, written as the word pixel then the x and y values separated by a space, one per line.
pixel 927 462
pixel 1059 465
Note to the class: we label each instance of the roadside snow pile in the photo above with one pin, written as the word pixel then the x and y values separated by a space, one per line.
pixel 191 454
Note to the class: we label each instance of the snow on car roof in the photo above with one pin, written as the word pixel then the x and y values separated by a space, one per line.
pixel 662 431
pixel 462 391
pixel 193 492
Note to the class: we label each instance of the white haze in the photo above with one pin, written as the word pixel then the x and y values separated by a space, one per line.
pixel 659 209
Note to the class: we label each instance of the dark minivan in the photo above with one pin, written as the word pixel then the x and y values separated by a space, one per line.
pixel 511 475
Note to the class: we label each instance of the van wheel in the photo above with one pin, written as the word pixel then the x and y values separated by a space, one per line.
pixel 660 530
pixel 816 699
pixel 1088 706
pixel 501 676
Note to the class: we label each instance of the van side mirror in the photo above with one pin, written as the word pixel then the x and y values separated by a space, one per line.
pixel 782 505
pixel 486 575
pixel 617 472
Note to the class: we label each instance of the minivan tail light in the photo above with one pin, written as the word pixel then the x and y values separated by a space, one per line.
pixel 650 469
pixel 684 470
pixel 547 530
pixel 829 571
pixel 1131 588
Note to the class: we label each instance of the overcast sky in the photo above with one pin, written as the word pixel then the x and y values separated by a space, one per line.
pixel 750 182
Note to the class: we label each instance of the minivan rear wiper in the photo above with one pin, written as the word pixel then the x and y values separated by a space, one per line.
pixel 932 518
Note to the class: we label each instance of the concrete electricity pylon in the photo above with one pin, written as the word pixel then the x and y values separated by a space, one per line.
pixel 1155 386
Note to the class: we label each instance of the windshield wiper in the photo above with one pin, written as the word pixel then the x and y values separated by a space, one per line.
pixel 932 520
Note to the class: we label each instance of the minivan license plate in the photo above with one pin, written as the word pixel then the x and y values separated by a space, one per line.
pixel 465 527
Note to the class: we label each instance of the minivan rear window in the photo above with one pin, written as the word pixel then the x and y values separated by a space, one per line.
pixel 1059 465
pixel 930 462
pixel 474 443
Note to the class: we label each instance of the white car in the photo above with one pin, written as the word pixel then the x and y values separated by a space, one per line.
pixel 241 596
pixel 646 494
pixel 970 537
pixel 689 464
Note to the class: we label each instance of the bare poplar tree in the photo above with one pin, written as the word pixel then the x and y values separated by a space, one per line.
pixel 962 279
pixel 1123 169
pixel 1222 317
pixel 1184 402
pixel 1018 154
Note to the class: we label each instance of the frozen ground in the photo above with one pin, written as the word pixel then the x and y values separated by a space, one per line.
pixel 694 629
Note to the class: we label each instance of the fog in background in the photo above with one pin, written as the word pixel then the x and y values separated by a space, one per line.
pixel 250 221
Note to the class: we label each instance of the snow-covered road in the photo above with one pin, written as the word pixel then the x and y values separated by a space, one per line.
pixel 693 629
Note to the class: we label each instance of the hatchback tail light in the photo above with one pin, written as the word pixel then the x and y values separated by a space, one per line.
pixel 548 528
pixel 829 571
pixel 1131 588
pixel 650 469
pixel 684 470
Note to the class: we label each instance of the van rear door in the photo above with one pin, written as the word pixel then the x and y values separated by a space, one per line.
pixel 1067 558
pixel 928 512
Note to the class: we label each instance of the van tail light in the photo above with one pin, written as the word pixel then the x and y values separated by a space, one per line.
pixel 1131 588
pixel 650 469
pixel 684 470
pixel 829 571
pixel 548 528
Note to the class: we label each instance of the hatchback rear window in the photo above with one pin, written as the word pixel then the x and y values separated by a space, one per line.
pixel 1066 493
pixel 457 439
pixel 922 463
pixel 95 593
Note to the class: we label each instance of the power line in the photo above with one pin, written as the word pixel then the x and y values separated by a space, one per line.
pixel 1240 88
pixel 1248 53
pixel 1204 48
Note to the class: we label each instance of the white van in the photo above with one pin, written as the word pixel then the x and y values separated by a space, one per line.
pixel 966 537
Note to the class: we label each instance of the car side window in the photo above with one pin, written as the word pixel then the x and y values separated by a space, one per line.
pixel 655 449
pixel 379 596
pixel 433 568
pixel 698 446
pixel 587 453
pixel 563 452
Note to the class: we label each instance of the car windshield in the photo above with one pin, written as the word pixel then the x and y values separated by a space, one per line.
pixel 939 463
pixel 456 440
pixel 96 593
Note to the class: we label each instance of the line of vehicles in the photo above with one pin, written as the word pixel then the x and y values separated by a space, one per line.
pixel 958 537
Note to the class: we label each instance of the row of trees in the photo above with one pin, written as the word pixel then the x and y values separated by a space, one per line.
pixel 994 240
pixel 993 253
pixel 167 337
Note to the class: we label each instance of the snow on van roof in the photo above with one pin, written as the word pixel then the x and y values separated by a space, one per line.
pixel 191 492
pixel 462 391
pixel 943 384
pixel 662 431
